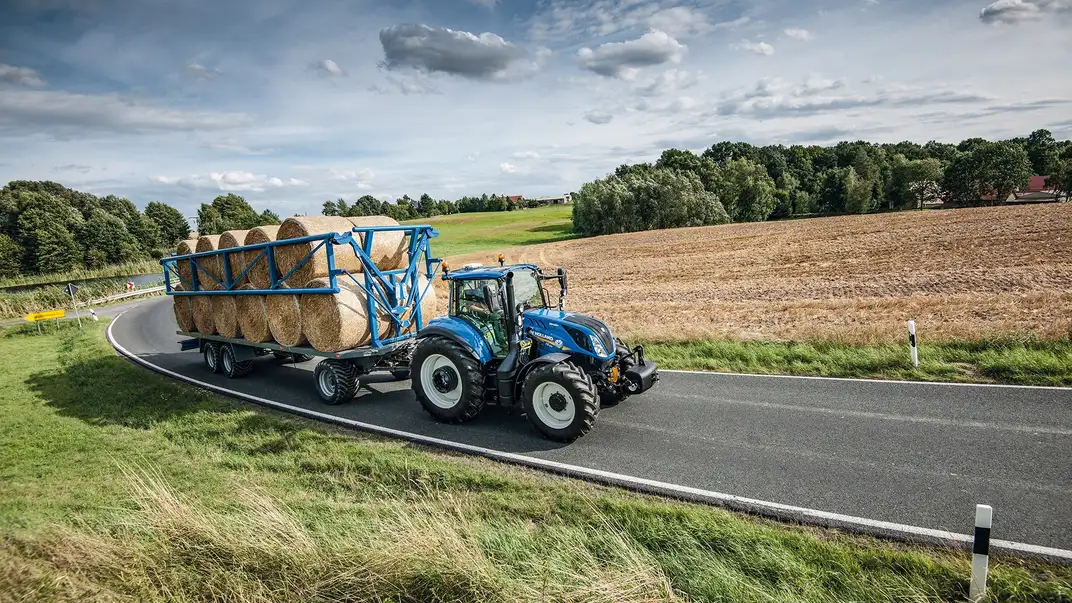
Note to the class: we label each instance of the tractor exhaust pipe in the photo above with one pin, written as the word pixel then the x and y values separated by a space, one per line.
pixel 507 371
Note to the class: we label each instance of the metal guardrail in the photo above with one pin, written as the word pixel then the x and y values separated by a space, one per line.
pixel 122 296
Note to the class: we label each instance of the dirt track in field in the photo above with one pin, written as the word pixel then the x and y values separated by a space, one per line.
pixel 958 273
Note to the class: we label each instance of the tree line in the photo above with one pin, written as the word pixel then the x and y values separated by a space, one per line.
pixel 740 182
pixel 406 208
pixel 46 227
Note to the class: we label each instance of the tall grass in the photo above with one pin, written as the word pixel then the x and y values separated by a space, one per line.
pixel 54 297
pixel 62 278
pixel 120 484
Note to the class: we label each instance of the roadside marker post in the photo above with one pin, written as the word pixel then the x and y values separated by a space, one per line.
pixel 984 514
pixel 912 342
pixel 70 288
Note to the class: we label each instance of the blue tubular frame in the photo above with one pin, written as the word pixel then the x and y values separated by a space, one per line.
pixel 395 292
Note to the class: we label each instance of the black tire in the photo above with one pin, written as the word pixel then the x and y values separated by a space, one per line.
pixel 582 391
pixel 230 367
pixel 211 356
pixel 336 381
pixel 400 375
pixel 466 375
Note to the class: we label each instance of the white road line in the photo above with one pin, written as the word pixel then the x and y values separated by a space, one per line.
pixel 871 381
pixel 760 507
pixel 865 414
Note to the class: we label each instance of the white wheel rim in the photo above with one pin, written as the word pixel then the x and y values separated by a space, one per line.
pixel 541 403
pixel 441 399
pixel 210 358
pixel 226 362
pixel 327 382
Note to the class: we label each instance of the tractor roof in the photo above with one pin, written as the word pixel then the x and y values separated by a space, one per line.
pixel 487 271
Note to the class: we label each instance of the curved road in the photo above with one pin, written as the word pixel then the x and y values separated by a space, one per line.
pixel 915 454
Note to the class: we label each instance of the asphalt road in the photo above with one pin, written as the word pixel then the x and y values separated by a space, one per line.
pixel 916 454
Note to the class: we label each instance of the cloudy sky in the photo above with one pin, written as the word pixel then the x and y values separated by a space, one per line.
pixel 290 103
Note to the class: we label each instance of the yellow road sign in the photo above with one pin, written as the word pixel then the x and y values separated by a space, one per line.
pixel 46 315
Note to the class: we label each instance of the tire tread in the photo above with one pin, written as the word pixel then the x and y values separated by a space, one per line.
pixel 471 373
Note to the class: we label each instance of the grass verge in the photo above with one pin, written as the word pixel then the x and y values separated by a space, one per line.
pixel 13 305
pixel 62 278
pixel 119 484
pixel 1019 361
pixel 482 231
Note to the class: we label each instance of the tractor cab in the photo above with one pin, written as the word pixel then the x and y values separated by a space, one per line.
pixel 504 341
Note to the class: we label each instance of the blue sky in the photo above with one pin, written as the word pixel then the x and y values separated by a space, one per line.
pixel 292 103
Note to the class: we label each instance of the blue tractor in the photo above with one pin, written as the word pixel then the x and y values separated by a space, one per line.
pixel 504 342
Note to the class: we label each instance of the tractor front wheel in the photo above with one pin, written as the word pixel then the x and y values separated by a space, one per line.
pixel 447 380
pixel 560 401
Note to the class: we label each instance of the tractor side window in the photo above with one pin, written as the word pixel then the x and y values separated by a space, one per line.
pixel 479 303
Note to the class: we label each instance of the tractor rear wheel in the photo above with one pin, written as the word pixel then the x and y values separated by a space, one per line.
pixel 447 380
pixel 560 401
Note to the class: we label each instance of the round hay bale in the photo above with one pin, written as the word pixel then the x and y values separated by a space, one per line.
pixel 340 321
pixel 429 303
pixel 236 261
pixel 284 319
pixel 288 256
pixel 209 264
pixel 253 316
pixel 185 248
pixel 203 317
pixel 258 274
pixel 225 315
pixel 388 248
pixel 184 310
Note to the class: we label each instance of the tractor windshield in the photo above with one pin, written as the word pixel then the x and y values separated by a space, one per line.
pixel 528 290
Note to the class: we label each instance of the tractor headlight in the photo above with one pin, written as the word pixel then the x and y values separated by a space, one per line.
pixel 598 346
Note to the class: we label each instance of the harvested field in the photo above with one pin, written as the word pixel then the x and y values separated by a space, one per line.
pixel 966 273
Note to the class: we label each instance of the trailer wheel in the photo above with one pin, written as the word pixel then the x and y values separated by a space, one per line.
pixel 560 401
pixel 211 355
pixel 447 380
pixel 232 368
pixel 336 381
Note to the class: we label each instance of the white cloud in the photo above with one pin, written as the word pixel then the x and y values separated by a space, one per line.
pixel 526 155
pixel 438 49
pixel 234 181
pixel 680 21
pixel 20 76
pixel 598 117
pixel 485 3
pixel 329 67
pixel 815 85
pixel 68 114
pixel 762 48
pixel 199 71
pixel 507 168
pixel 623 59
pixel 1017 11
pixel 798 34
pixel 669 82
pixel 361 178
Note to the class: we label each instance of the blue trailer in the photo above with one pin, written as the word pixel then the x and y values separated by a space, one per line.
pixel 394 293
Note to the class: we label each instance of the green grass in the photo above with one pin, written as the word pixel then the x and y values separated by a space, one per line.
pixel 13 305
pixel 1022 361
pixel 62 278
pixel 119 484
pixel 483 231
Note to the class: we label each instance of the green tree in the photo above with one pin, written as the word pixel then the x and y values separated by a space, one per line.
pixel 495 203
pixel 914 182
pixel 46 233
pixel 1004 167
pixel 1043 152
pixel 677 159
pixel 335 208
pixel 170 222
pixel 747 191
pixel 427 206
pixel 1061 179
pixel 209 221
pixel 106 240
pixel 268 217
pixel 10 257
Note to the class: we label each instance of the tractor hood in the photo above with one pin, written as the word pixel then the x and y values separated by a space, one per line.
pixel 579 326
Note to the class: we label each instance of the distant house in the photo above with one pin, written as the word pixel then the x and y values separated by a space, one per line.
pixel 1036 191
pixel 515 198
pixel 553 200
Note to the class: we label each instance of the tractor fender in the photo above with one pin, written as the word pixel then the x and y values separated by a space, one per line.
pixel 460 331
pixel 539 360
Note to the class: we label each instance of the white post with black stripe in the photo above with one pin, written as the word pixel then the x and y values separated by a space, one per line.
pixel 980 552
pixel 912 342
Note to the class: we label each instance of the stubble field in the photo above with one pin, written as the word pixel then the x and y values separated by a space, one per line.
pixel 960 274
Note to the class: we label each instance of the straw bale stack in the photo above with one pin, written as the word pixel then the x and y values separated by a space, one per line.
pixel 236 261
pixel 210 264
pixel 285 320
pixel 184 310
pixel 258 274
pixel 335 322
pixel 288 256
pixel 253 316
pixel 204 319
pixel 185 248
pixel 429 304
